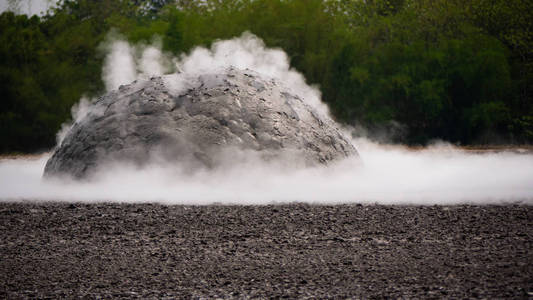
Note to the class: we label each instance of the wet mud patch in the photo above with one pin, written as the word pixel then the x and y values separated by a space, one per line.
pixel 62 250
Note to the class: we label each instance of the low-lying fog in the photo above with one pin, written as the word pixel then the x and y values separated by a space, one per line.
pixel 439 174
pixel 390 175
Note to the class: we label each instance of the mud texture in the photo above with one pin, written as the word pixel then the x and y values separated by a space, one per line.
pixel 295 251
pixel 193 120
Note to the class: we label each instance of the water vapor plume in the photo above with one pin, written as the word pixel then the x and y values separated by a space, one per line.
pixel 439 174
pixel 119 65
pixel 125 63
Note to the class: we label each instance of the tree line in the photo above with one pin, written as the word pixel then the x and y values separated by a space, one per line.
pixel 455 70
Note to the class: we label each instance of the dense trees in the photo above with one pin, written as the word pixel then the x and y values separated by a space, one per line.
pixel 444 69
pixel 426 67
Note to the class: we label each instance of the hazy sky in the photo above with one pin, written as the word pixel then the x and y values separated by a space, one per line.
pixel 29 7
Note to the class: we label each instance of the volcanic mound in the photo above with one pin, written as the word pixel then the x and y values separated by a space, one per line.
pixel 191 120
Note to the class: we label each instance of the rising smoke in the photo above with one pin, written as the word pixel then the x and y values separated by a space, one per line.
pixel 440 174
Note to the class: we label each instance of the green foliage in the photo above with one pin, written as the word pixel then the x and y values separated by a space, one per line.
pixel 448 69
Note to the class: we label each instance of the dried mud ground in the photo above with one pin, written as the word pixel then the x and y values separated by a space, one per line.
pixel 58 250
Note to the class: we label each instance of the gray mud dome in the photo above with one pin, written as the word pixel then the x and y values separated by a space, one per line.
pixel 196 121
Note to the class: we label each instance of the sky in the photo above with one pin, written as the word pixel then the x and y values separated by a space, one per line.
pixel 29 7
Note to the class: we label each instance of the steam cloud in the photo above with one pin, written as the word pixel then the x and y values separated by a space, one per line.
pixel 440 174
pixel 125 63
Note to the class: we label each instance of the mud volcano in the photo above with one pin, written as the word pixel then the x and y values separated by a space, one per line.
pixel 194 121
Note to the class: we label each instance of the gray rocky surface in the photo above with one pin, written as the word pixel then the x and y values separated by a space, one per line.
pixel 192 120
pixel 149 251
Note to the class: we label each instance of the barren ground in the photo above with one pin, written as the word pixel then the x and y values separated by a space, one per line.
pixel 154 251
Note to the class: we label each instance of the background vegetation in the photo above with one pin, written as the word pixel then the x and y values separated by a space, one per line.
pixel 458 70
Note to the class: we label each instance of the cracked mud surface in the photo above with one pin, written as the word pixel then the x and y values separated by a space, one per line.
pixel 296 251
